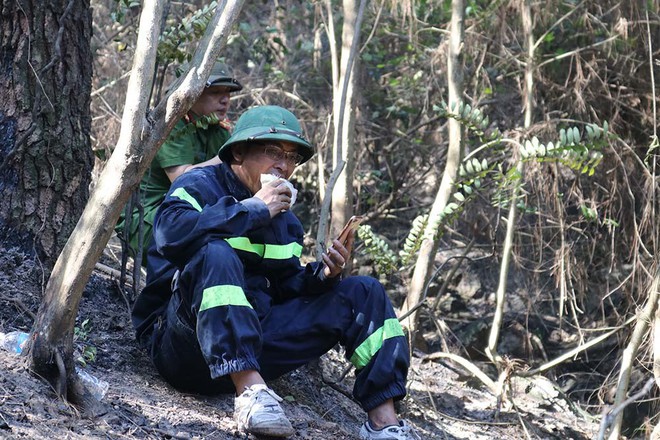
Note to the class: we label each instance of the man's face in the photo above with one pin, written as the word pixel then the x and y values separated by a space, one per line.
pixel 270 157
pixel 214 99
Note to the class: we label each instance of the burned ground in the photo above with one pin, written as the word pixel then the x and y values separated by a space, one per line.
pixel 443 402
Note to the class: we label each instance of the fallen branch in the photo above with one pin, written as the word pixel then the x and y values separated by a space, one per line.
pixel 108 270
pixel 476 372
pixel 571 353
pixel 642 324
pixel 613 414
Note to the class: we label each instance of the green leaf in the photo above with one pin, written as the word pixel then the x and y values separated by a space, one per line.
pixel 467 110
pixel 576 135
pixel 590 131
pixel 469 168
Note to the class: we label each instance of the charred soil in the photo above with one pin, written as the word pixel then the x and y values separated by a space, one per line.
pixel 443 402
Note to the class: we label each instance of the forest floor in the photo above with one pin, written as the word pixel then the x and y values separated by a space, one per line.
pixel 443 402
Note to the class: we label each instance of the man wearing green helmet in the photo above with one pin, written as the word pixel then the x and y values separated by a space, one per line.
pixel 193 142
pixel 242 309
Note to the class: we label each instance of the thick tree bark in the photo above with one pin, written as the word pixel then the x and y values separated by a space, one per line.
pixel 45 150
pixel 142 133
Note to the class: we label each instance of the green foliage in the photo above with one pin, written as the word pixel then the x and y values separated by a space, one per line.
pixel 471 173
pixel 384 258
pixel 655 144
pixel 579 151
pixel 187 30
pixel 202 122
pixel 572 150
pixel 123 6
pixel 473 119
pixel 414 240
pixel 81 335
pixel 589 214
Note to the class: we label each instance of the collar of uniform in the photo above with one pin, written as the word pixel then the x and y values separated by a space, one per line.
pixel 235 186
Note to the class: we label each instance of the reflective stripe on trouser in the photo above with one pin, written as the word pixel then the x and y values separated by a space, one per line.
pixel 358 307
pixel 212 329
pixel 356 313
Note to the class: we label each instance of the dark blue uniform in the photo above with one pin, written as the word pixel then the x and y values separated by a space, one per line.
pixel 242 300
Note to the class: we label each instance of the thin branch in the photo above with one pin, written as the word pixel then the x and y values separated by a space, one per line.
pixel 374 27
pixel 653 95
pixel 576 51
pixel 539 41
pixel 321 235
pixel 110 84
pixel 473 369
pixel 325 209
pixel 572 353
pixel 292 96
pixel 20 142
pixel 58 41
pixel 607 420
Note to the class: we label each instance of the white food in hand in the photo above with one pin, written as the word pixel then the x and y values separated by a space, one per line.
pixel 267 178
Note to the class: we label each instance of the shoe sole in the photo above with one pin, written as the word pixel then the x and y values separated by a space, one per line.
pixel 272 432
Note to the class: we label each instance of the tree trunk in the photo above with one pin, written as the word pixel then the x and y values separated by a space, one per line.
pixel 512 218
pixel 429 247
pixel 344 145
pixel 337 193
pixel 45 147
pixel 142 133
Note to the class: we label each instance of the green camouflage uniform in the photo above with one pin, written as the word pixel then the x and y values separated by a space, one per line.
pixel 187 144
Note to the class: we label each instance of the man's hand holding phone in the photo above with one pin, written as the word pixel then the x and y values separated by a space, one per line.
pixel 340 250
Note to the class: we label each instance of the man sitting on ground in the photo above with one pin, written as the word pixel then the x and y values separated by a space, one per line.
pixel 243 310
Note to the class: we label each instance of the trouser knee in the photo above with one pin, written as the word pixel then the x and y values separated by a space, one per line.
pixel 211 265
pixel 368 293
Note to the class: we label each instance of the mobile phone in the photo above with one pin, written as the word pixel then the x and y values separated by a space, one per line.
pixel 351 225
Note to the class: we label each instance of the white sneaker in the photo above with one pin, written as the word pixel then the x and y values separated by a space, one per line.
pixel 402 431
pixel 257 411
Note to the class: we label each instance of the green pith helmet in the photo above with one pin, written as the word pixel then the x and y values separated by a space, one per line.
pixel 221 76
pixel 267 123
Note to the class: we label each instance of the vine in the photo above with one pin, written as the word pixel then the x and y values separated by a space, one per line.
pixel 202 122
pixel 188 30
pixel 582 153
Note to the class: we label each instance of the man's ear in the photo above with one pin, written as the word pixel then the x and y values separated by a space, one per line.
pixel 238 153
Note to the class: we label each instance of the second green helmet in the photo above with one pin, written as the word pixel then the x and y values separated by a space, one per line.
pixel 221 76
pixel 267 123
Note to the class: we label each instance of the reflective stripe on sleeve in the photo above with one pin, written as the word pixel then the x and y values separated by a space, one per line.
pixel 270 251
pixel 183 195
pixel 225 295
pixel 363 354
pixel 282 251
pixel 244 244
